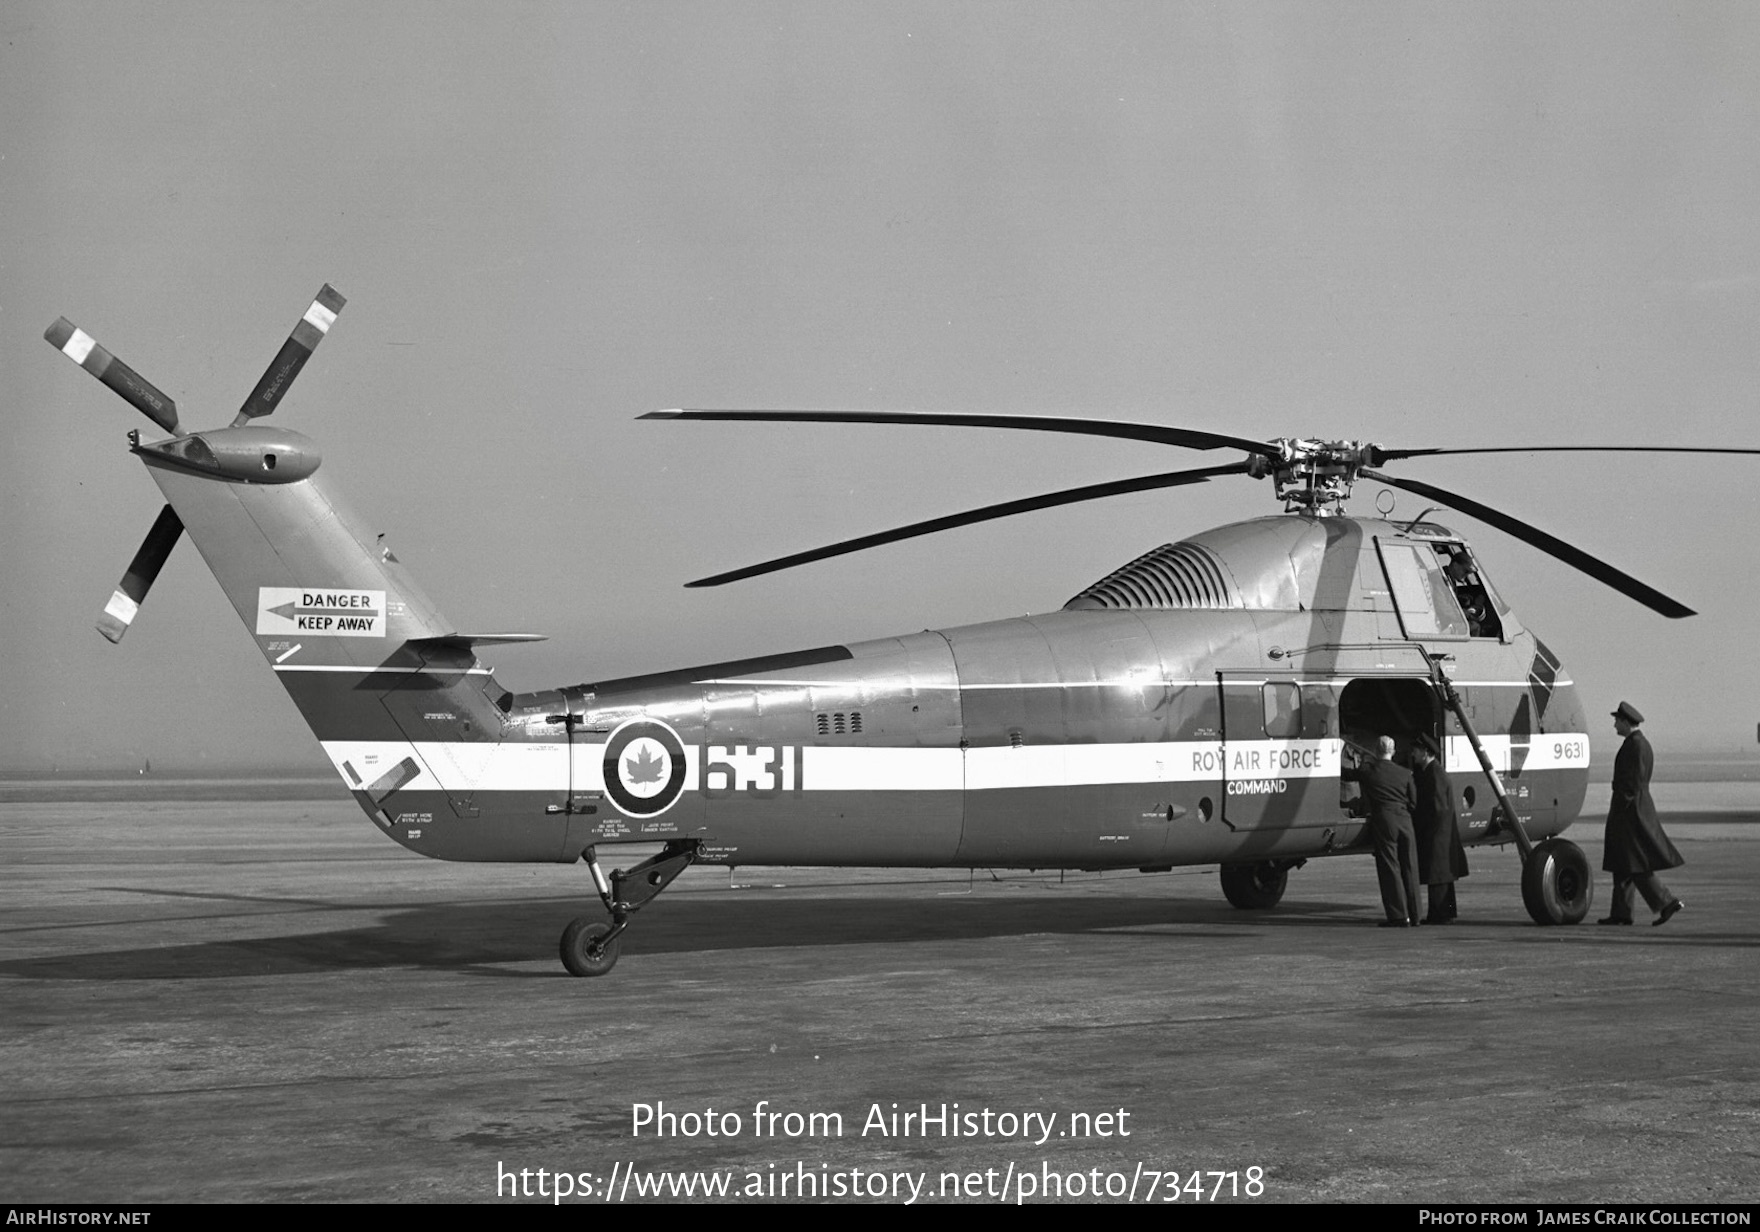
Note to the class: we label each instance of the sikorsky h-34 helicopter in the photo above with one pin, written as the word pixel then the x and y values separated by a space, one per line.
pixel 1194 706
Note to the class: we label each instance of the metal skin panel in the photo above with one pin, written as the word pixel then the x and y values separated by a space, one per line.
pixel 1041 684
pixel 296 536
pixel 1083 738
pixel 1288 563
pixel 514 829
pixel 781 786
pixel 1272 561
pixel 679 708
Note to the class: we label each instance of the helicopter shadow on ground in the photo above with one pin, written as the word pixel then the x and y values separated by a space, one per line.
pixel 484 937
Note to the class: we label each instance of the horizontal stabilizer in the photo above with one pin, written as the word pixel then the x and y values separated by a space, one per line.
pixel 464 641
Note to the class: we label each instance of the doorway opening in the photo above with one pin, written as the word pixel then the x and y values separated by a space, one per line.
pixel 1401 707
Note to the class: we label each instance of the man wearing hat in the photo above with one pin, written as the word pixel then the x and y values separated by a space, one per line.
pixel 1635 846
pixel 1441 857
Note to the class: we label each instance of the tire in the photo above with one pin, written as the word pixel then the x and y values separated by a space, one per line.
pixel 1557 886
pixel 581 952
pixel 1254 887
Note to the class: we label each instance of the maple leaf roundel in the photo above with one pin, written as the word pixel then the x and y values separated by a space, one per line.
pixel 644 767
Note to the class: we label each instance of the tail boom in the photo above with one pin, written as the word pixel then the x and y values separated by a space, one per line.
pixel 407 715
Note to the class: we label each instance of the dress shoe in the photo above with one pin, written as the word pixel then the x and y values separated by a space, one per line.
pixel 1394 924
pixel 1439 919
pixel 1613 920
pixel 1667 913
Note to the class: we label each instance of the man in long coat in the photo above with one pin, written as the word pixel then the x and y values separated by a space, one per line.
pixel 1390 795
pixel 1441 857
pixel 1635 846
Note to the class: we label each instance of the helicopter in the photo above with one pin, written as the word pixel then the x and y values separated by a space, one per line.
pixel 1194 706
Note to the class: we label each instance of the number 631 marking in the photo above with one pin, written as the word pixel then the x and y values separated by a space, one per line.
pixel 761 770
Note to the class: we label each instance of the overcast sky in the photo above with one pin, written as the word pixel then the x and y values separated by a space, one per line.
pixel 1447 224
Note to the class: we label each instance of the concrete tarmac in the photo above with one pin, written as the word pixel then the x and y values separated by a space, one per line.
pixel 266 1000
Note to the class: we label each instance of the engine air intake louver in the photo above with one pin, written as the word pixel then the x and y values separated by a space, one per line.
pixel 829 724
pixel 1174 575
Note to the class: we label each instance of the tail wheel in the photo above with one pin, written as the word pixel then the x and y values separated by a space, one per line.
pixel 1254 887
pixel 1557 885
pixel 584 950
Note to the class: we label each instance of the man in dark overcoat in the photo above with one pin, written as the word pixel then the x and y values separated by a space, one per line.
pixel 1391 797
pixel 1441 857
pixel 1635 846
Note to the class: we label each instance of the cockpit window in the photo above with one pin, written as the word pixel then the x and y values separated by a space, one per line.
pixel 1477 601
pixel 1422 592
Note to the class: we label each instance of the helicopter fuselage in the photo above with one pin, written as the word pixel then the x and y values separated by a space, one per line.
pixel 1120 732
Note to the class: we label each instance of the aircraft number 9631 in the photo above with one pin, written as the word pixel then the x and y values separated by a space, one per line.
pixel 1569 750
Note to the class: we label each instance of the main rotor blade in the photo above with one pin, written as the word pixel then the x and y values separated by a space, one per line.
pixel 1069 496
pixel 135 389
pixel 298 348
pixel 1392 455
pixel 119 613
pixel 1600 570
pixel 1157 434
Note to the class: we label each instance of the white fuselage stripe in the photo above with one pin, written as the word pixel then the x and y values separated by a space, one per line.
pixel 462 767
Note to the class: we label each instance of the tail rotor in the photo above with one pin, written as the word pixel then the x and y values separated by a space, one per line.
pixel 150 401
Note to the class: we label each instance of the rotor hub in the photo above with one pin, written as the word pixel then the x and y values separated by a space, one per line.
pixel 1314 476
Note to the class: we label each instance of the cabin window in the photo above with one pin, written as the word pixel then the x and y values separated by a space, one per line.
pixel 1421 592
pixel 1283 710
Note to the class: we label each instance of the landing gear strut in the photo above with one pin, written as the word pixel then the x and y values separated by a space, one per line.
pixel 1556 883
pixel 589 945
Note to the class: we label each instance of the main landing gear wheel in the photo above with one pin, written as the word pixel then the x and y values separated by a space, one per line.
pixel 584 951
pixel 1254 887
pixel 1556 883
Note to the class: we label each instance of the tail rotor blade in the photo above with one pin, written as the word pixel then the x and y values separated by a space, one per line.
pixel 135 389
pixel 1598 569
pixel 119 613
pixel 298 348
